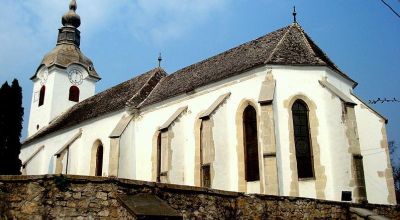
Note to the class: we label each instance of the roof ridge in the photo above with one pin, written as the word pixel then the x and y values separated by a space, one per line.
pixel 146 85
pixel 140 105
pixel 279 43
pixel 334 67
pixel 308 44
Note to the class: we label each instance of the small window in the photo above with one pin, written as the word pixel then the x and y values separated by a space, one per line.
pixel 159 158
pixel 74 94
pixel 99 160
pixel 41 95
pixel 250 144
pixel 162 157
pixel 206 176
pixel 346 196
pixel 302 141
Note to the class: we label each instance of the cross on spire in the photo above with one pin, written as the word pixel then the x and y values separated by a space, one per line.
pixel 294 14
pixel 159 60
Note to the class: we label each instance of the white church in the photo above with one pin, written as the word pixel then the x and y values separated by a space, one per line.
pixel 271 116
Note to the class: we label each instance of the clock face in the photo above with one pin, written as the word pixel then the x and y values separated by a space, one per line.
pixel 75 76
pixel 43 75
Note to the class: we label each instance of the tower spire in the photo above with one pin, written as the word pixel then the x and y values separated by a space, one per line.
pixel 294 14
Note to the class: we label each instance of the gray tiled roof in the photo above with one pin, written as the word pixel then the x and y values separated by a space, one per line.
pixel 287 46
pixel 64 55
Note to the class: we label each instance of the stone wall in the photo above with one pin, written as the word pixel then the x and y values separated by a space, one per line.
pixel 83 197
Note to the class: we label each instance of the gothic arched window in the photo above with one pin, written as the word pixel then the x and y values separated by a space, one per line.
pixel 41 95
pixel 302 141
pixel 74 94
pixel 99 160
pixel 250 144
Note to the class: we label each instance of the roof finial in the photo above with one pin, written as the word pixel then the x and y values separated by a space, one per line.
pixel 72 5
pixel 294 14
pixel 159 60
pixel 71 18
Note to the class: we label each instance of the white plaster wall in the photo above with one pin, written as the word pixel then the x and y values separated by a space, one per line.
pixel 340 158
pixel 331 137
pixel 186 139
pixel 374 156
pixel 176 174
pixel 80 151
pixel 38 160
pixel 290 82
pixel 222 149
pixel 60 95
pixel 40 115
pixel 143 146
pixel 183 143
pixel 56 97
pixel 127 154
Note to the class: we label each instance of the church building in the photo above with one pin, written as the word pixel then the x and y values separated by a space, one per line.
pixel 271 116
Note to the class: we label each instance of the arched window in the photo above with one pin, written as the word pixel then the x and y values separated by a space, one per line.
pixel 302 140
pixel 41 95
pixel 250 144
pixel 74 93
pixel 99 160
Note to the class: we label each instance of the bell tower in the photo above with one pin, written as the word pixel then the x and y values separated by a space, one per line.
pixel 64 77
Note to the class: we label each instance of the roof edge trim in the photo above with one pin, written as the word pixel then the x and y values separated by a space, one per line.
pixel 214 105
pixel 32 156
pixel 173 118
pixel 69 142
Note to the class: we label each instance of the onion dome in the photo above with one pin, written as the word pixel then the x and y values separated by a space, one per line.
pixel 71 18
pixel 67 50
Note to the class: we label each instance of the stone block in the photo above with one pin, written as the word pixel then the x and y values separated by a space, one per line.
pixel 101 195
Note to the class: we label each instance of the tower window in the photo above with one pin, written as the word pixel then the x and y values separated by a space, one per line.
pixel 41 95
pixel 251 144
pixel 302 140
pixel 74 94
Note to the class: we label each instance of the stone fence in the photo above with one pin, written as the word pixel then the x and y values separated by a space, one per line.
pixel 84 197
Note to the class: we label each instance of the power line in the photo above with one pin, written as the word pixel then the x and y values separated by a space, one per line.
pixel 379 100
pixel 390 7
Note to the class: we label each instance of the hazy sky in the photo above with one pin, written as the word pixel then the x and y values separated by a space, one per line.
pixel 123 38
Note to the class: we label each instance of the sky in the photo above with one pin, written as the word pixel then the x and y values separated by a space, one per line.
pixel 123 38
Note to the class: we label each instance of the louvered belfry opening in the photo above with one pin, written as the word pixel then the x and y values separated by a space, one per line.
pixel 302 140
pixel 99 160
pixel 250 144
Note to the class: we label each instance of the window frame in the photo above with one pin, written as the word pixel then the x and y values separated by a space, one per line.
pixel 310 144
pixel 99 161
pixel 74 93
pixel 42 95
pixel 248 177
